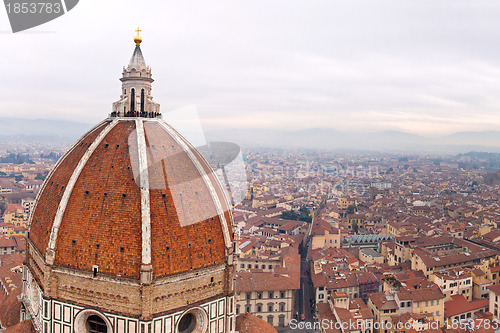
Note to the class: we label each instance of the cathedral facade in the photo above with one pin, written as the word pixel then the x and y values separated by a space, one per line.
pixel 132 230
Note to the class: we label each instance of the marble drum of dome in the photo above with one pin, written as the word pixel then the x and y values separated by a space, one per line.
pixel 132 229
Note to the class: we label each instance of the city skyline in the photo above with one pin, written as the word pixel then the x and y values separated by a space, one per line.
pixel 301 170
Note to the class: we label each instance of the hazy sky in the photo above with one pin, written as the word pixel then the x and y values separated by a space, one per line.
pixel 428 67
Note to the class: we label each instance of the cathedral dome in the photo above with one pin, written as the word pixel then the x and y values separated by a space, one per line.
pixel 132 192
pixel 132 229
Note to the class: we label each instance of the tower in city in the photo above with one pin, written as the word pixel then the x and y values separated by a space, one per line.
pixel 132 230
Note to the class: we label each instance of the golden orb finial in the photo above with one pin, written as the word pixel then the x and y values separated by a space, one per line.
pixel 137 38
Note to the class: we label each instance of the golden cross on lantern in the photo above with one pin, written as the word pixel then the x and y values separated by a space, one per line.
pixel 137 38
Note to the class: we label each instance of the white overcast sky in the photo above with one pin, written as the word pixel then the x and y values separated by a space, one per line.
pixel 427 67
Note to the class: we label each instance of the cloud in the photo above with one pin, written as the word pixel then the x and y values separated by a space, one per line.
pixel 414 65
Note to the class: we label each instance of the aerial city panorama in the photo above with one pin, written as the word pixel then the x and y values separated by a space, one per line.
pixel 253 167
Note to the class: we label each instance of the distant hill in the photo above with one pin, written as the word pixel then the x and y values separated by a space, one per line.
pixel 486 138
pixel 324 138
pixel 33 130
pixel 29 130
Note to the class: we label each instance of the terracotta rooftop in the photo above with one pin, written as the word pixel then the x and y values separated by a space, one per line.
pixel 102 214
pixel 347 316
pixel 7 242
pixel 475 253
pixel 321 227
pixel 459 304
pixel 495 288
pixel 10 309
pixel 383 301
pixel 282 278
pixel 325 313
pixel 248 323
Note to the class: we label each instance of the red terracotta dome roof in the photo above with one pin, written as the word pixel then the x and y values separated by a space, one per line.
pixel 132 192
pixel 25 326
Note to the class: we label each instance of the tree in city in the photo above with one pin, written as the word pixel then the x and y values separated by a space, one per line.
pixel 290 215
pixel 51 156
pixel 355 227
pixel 3 206
pixel 350 209
pixel 16 159
pixel 303 214
pixel 41 176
